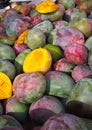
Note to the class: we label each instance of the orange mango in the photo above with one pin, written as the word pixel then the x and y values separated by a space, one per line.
pixel 38 60
pixel 5 86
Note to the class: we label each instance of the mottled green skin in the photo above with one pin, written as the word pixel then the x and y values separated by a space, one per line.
pixel 8 68
pixel 78 14
pixel 67 3
pixel 7 120
pixel 55 51
pixel 7 52
pixel 90 59
pixel 19 61
pixel 6 41
pixel 82 24
pixel 54 16
pixel 88 43
pixel 88 123
pixel 16 109
pixel 73 14
pixel 82 92
pixel 59 84
pixel 46 26
pixel 81 98
pixel 35 38
pixel 52 37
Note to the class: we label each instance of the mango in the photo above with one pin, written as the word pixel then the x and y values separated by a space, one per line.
pixel 4 67
pixel 7 120
pixel 16 109
pixel 35 38
pixel 7 52
pixel 47 107
pixel 58 84
pixel 19 60
pixel 28 87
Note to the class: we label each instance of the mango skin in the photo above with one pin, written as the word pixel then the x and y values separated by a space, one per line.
pixel 67 4
pixel 54 16
pixel 15 28
pixel 90 59
pixel 18 62
pixel 7 52
pixel 11 128
pixel 47 107
pixel 84 25
pixel 46 26
pixel 7 120
pixel 35 38
pixel 81 97
pixel 88 43
pixel 16 109
pixel 59 84
pixel 64 122
pixel 34 84
pixel 4 67
pixel 11 16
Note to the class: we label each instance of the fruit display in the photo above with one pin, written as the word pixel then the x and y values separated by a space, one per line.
pixel 46 65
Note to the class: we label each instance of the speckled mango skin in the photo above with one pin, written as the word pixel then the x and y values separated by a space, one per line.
pixel 15 28
pixel 28 87
pixel 64 122
pixel 66 35
pixel 7 52
pixel 35 38
pixel 46 26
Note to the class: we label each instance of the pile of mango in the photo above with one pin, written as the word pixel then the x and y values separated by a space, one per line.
pixel 46 65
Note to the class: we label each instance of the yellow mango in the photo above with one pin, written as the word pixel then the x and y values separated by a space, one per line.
pixel 5 86
pixel 38 60
pixel 21 38
pixel 46 7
